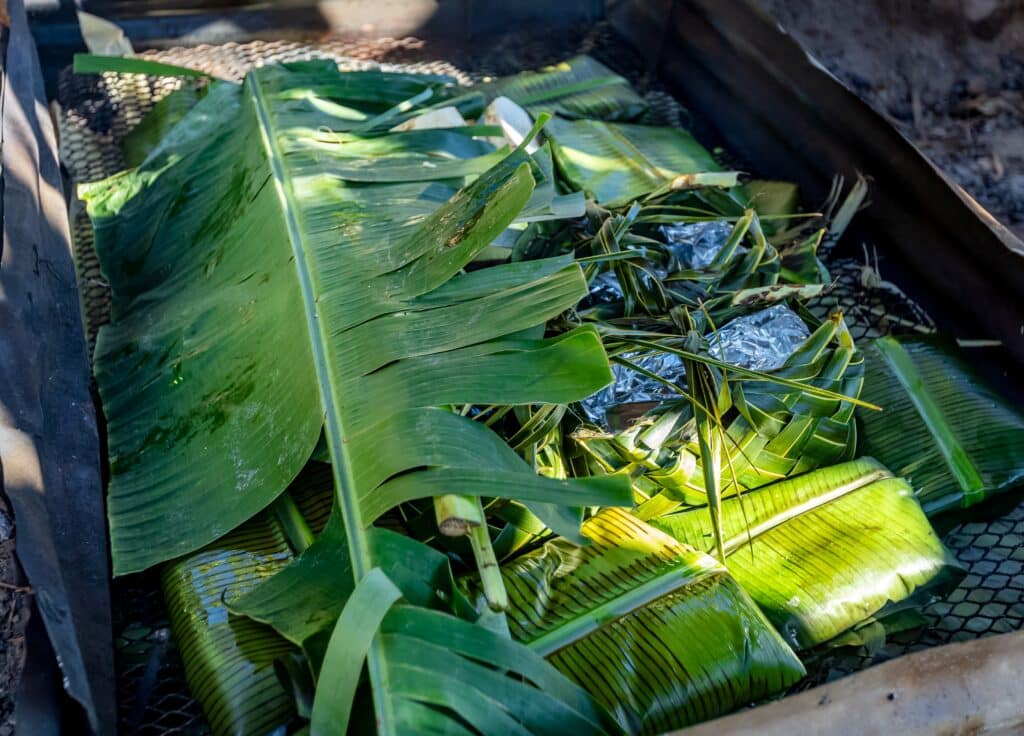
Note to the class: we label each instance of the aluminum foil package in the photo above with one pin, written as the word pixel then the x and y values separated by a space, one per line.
pixel 631 387
pixel 695 244
pixel 760 341
pixel 605 288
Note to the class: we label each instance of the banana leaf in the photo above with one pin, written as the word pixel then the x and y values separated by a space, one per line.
pixel 954 437
pixel 229 660
pixel 260 294
pixel 167 113
pixel 823 552
pixel 659 633
pixel 617 163
pixel 580 87
pixel 769 198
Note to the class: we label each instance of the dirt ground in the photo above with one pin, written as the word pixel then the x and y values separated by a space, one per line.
pixel 948 73
pixel 14 612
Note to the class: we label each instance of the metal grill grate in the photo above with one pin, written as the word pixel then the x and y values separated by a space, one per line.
pixel 153 698
pixel 97 111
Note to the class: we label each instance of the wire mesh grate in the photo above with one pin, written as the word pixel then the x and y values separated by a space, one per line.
pixel 97 111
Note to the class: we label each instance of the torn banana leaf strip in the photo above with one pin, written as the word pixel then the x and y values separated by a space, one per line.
pixel 618 163
pixel 656 631
pixel 747 272
pixel 303 600
pixel 260 294
pixel 493 684
pixel 229 660
pixel 824 551
pixel 580 87
pixel 954 437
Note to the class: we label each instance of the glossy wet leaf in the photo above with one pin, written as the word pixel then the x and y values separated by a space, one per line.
pixel 229 660
pixel 823 552
pixel 952 435
pixel 617 163
pixel 649 626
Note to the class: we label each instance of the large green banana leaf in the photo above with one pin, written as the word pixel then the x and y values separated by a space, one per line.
pixel 577 87
pixel 656 631
pixel 229 660
pixel 823 552
pixel 955 438
pixel 264 287
pixel 617 163
pixel 209 363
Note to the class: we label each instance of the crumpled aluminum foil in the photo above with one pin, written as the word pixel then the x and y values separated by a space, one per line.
pixel 631 387
pixel 695 244
pixel 605 288
pixel 761 341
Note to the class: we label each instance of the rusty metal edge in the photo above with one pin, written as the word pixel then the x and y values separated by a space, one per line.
pixel 49 445
pixel 777 107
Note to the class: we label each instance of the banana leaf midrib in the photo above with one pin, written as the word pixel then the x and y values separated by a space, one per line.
pixel 670 579
pixel 636 159
pixel 360 554
pixel 734 543
pixel 333 432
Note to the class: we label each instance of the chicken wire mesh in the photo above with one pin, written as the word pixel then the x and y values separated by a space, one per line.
pixel 96 111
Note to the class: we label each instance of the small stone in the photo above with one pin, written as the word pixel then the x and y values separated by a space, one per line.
pixel 971 554
pixel 1002 626
pixel 975 85
pixel 983 567
pixel 971 581
pixel 1007 595
pixel 957 595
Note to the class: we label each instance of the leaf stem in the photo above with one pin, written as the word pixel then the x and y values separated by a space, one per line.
pixel 293 523
pixel 456 515
pixel 487 563
pixel 464 516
